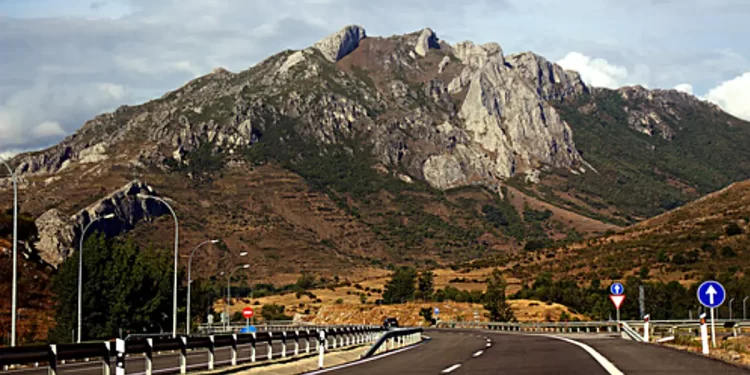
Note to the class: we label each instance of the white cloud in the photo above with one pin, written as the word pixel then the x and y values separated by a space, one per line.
pixel 684 87
pixel 595 72
pixel 48 129
pixel 733 96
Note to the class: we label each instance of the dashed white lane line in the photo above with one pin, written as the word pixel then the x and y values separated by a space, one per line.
pixel 489 344
pixel 451 369
pixel 604 362
pixel 477 354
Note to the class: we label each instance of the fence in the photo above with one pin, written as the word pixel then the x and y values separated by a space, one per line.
pixel 54 354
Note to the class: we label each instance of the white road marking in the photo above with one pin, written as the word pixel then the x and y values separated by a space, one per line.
pixel 488 345
pixel 477 354
pixel 450 369
pixel 604 362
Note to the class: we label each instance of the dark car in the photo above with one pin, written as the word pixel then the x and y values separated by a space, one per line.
pixel 390 323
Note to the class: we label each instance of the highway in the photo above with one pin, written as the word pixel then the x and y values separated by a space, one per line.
pixel 169 362
pixel 482 352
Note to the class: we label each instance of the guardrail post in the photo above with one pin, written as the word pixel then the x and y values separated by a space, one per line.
pixel 183 355
pixel 342 336
pixel 321 348
pixel 307 342
pixel 120 357
pixel 106 362
pixel 211 352
pixel 269 345
pixel 252 348
pixel 149 356
pixel 283 344
pixel 234 350
pixel 296 342
pixel 53 359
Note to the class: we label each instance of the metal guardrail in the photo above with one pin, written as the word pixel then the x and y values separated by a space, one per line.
pixel 54 354
pixel 630 333
pixel 206 329
pixel 657 328
pixel 395 339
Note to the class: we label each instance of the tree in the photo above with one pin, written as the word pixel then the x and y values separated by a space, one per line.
pixel 494 298
pixel 123 288
pixel 733 229
pixel 426 285
pixel 306 281
pixel 273 312
pixel 426 313
pixel 401 286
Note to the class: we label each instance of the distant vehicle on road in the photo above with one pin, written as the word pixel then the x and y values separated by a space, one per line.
pixel 390 323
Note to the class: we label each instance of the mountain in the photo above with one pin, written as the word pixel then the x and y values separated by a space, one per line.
pixel 706 238
pixel 369 151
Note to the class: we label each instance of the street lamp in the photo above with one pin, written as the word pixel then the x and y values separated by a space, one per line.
pixel 176 254
pixel 80 270
pixel 190 281
pixel 229 295
pixel 730 308
pixel 14 292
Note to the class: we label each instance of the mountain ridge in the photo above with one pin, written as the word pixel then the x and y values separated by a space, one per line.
pixel 432 133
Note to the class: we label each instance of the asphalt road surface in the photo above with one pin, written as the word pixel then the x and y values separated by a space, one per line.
pixel 169 362
pixel 479 352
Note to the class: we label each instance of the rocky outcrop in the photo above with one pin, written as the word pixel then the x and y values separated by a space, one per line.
pixel 427 40
pixel 59 235
pixel 334 47
pixel 550 80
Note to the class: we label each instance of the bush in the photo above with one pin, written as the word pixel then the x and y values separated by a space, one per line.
pixel 339 301
pixel 733 230
pixel 273 312
pixel 728 252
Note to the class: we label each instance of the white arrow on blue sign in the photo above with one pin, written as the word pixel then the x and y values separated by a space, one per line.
pixel 711 294
pixel 617 288
pixel 437 311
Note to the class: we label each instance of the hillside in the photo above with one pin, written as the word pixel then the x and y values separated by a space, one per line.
pixel 709 236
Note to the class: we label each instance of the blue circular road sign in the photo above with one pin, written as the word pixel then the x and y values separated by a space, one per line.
pixel 616 288
pixel 437 311
pixel 711 294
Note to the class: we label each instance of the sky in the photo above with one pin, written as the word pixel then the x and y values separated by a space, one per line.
pixel 64 61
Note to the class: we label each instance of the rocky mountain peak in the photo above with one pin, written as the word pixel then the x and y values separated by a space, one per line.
pixel 335 46
pixel 477 56
pixel 427 40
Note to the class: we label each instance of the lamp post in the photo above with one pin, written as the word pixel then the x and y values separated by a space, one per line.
pixel 229 295
pixel 80 271
pixel 176 254
pixel 14 291
pixel 190 281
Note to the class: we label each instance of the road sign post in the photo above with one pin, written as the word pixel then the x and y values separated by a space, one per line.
pixel 646 327
pixel 711 294
pixel 248 313
pixel 617 296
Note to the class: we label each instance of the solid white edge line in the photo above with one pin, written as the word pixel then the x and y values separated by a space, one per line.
pixel 604 362
pixel 361 361
pixel 450 369
pixel 477 354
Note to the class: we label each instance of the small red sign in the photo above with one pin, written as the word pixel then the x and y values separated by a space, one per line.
pixel 247 312
pixel 617 299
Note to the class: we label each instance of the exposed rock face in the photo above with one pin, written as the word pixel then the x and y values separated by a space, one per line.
pixel 427 39
pixel 550 80
pixel 340 44
pixel 59 235
pixel 652 111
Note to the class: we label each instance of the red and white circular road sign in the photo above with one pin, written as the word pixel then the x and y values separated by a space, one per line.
pixel 247 312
